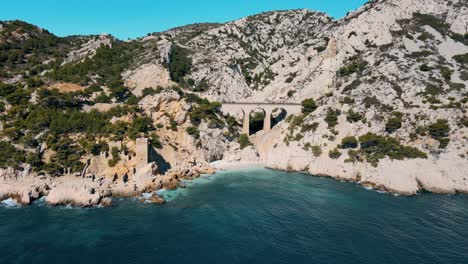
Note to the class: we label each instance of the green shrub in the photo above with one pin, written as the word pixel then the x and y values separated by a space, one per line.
pixel 115 157
pixel 10 156
pixel 353 85
pixel 349 142
pixel 464 75
pixel 308 106
pixel 371 101
pixel 353 156
pixel 205 110
pixel 316 150
pixel 354 117
pixel 6 89
pixel 180 63
pixel 376 147
pixel 443 142
pixel 202 86
pixel 332 117
pixel 309 127
pixel 108 63
pixel 67 156
pixel 439 129
pixel 356 65
pixel 334 154
pixel 446 73
pixel 155 141
pixel 432 21
pixel 150 91
pixel 19 97
pixel 425 68
pixel 193 131
pixel 393 124
pixel 462 59
pixel 34 82
pixel 139 125
pixel 102 98
pixel 433 90
pixel 464 121
pixel 244 141
pixel 96 148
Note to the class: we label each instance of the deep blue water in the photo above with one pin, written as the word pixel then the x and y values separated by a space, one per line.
pixel 249 216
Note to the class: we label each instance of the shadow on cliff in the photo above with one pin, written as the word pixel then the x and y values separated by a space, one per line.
pixel 163 165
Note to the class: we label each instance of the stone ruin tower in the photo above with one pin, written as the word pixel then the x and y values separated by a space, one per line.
pixel 142 152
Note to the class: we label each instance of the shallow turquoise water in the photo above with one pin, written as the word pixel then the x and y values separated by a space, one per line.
pixel 249 216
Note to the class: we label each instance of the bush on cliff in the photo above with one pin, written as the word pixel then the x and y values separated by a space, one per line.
pixel 180 63
pixel 394 122
pixel 332 117
pixel 244 141
pixel 10 156
pixel 354 117
pixel 376 147
pixel 334 153
pixel 439 129
pixel 205 110
pixel 356 65
pixel 349 142
pixel 139 125
pixel 67 156
pixel 308 106
pixel 193 131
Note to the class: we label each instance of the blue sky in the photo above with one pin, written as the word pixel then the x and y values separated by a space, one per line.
pixel 135 18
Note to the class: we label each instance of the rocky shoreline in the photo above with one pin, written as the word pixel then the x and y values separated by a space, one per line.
pixel 91 191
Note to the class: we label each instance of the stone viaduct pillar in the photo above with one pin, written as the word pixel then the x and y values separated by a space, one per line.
pixel 246 122
pixel 267 121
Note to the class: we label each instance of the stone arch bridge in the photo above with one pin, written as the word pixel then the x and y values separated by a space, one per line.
pixel 233 109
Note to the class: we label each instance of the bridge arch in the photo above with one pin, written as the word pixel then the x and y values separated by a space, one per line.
pixel 270 119
pixel 257 120
pixel 278 114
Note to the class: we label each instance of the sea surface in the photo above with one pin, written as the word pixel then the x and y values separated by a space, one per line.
pixel 247 216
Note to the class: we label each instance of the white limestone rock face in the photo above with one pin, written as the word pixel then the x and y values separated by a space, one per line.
pixel 378 61
pixel 88 49
pixel 149 75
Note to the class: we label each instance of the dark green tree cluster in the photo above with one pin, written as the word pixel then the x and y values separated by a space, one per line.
pixel 10 156
pixel 332 117
pixel 206 110
pixel 108 63
pixel 244 141
pixel 349 142
pixel 334 154
pixel 354 117
pixel 180 63
pixel 375 148
pixel 394 122
pixel 356 65
pixel 440 131
pixel 308 106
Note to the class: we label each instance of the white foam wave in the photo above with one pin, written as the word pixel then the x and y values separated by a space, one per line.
pixel 171 195
pixel 11 203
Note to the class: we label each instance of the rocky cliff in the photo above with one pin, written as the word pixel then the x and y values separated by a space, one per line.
pixel 384 91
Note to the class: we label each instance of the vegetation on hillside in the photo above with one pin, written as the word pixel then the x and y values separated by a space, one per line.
pixel 179 63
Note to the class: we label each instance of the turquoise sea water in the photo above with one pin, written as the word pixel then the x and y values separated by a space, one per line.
pixel 248 216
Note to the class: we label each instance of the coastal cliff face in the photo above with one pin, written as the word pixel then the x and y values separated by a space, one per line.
pixel 384 91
